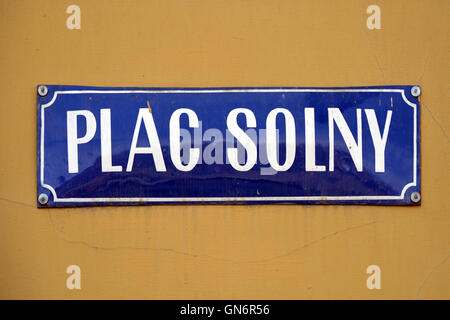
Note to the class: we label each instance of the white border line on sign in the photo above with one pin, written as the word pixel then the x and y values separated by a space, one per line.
pixel 217 199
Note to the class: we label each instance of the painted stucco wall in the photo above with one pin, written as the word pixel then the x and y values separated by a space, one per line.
pixel 223 251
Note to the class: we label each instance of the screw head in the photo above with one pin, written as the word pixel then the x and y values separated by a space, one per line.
pixel 415 197
pixel 415 91
pixel 42 90
pixel 43 198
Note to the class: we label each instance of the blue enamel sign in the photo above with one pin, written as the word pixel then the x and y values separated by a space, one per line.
pixel 110 146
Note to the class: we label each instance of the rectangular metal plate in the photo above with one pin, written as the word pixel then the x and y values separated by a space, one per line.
pixel 110 146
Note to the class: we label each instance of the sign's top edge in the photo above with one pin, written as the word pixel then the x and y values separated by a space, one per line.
pixel 55 87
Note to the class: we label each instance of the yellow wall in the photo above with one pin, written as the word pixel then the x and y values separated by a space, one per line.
pixel 223 251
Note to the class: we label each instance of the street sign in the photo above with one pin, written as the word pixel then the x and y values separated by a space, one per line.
pixel 115 146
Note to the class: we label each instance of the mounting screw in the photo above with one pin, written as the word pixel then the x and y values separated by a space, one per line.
pixel 415 197
pixel 42 90
pixel 43 198
pixel 415 91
